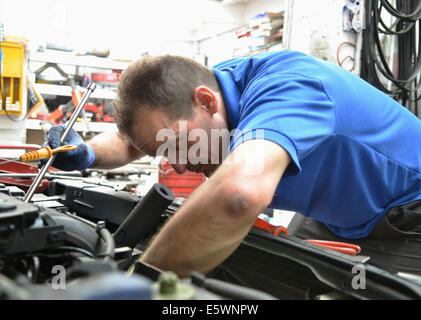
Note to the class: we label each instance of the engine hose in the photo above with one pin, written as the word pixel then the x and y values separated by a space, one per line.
pixel 145 217
pixel 108 244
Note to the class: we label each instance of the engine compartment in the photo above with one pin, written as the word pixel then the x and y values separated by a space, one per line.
pixel 86 238
pixel 77 228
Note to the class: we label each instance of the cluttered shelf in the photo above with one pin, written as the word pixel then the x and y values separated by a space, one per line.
pixel 63 90
pixel 263 33
pixel 52 75
pixel 35 124
pixel 67 58
pixel 58 82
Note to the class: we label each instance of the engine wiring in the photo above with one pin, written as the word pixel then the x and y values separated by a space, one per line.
pixel 401 81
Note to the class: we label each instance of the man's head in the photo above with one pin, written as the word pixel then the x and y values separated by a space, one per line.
pixel 169 92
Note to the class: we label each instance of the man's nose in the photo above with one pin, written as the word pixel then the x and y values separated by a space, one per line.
pixel 179 168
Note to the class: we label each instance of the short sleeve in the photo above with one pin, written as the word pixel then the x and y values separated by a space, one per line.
pixel 290 110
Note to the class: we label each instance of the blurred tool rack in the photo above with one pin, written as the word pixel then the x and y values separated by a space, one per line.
pixel 70 59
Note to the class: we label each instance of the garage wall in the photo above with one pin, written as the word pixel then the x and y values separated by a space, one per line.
pixel 220 46
pixel 129 28
pixel 315 28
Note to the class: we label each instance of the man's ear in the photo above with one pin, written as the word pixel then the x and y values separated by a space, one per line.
pixel 205 98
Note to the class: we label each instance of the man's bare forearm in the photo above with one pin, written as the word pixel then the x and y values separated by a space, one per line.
pixel 112 151
pixel 202 234
pixel 218 215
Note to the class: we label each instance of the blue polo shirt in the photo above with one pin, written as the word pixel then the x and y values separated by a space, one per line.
pixel 355 151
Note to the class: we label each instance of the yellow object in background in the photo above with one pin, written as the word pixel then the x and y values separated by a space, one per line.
pixel 17 40
pixel 34 99
pixel 12 64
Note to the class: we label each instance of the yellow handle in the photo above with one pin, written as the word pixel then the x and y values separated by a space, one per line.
pixel 64 149
pixel 44 153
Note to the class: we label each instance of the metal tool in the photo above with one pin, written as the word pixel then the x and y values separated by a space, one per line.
pixel 91 87
pixel 266 226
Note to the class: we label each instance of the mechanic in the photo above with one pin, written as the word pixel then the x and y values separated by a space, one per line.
pixel 334 149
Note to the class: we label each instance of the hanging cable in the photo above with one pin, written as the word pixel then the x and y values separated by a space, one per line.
pixel 400 81
pixel 348 57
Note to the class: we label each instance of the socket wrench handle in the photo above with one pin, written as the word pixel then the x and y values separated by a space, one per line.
pixel 68 126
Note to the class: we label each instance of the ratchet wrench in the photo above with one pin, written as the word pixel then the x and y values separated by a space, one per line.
pixel 91 87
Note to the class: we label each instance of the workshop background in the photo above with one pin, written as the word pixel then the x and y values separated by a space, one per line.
pixel 51 49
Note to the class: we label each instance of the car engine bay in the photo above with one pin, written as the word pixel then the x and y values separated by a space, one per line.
pixel 86 237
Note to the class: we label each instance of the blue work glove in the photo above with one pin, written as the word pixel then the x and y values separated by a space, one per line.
pixel 78 159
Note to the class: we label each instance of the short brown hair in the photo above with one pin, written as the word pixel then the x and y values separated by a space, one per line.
pixel 165 82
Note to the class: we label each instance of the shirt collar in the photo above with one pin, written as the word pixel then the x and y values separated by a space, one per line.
pixel 231 95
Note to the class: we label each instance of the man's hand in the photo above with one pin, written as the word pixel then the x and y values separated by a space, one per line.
pixel 78 159
pixel 219 214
